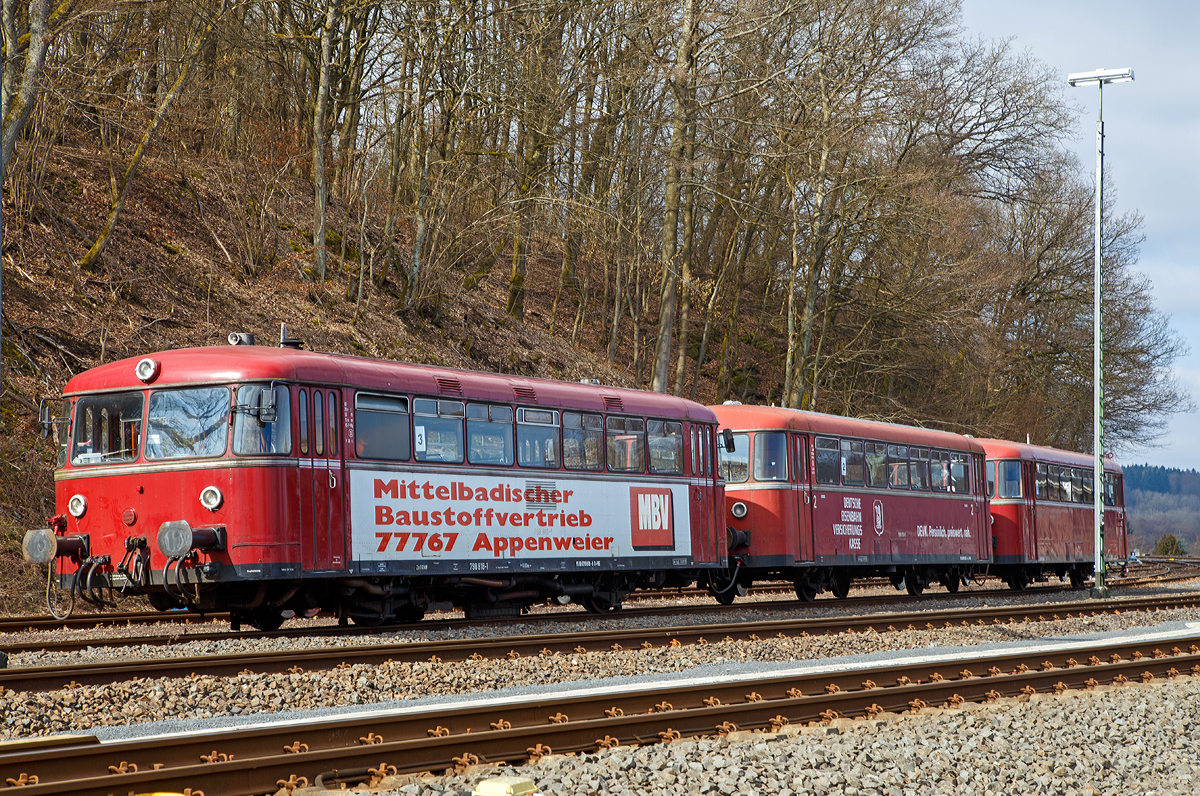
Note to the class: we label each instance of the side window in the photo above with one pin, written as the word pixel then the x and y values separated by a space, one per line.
pixel 438 430
pixel 304 421
pixel 852 462
pixel 898 466
pixel 489 434
pixel 626 438
pixel 583 441
pixel 918 467
pixel 381 429
pixel 693 433
pixel 1053 482
pixel 991 479
pixel 1077 484
pixel 770 456
pixel 252 434
pixel 1040 486
pixel 1089 496
pixel 829 460
pixel 876 456
pixel 939 471
pixel 960 472
pixel 537 438
pixel 735 466
pixel 1008 479
pixel 665 441
pixel 801 460
pixel 706 451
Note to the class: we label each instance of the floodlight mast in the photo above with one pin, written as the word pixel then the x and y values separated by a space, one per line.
pixel 1099 77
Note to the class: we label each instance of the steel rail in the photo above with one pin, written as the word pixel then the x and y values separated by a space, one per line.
pixel 44 678
pixel 256 760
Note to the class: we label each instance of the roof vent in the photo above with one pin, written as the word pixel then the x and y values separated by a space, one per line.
pixel 524 393
pixel 592 380
pixel 288 342
pixel 240 338
pixel 613 403
pixel 448 385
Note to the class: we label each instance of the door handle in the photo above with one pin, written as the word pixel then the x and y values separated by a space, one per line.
pixel 332 480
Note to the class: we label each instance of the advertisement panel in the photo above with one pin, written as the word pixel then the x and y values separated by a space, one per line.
pixel 419 517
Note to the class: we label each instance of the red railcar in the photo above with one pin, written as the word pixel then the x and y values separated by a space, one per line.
pixel 273 482
pixel 820 499
pixel 1043 516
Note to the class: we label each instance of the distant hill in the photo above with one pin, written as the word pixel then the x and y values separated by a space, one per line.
pixel 1162 500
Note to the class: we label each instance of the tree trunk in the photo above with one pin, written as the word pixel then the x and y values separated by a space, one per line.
pixel 318 128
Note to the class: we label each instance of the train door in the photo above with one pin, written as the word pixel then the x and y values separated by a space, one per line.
pixel 701 502
pixel 803 498
pixel 321 480
pixel 1028 510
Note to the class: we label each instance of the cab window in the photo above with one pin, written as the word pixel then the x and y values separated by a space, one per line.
pixel 735 464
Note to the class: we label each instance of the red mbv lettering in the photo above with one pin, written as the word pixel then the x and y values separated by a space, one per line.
pixel 651 519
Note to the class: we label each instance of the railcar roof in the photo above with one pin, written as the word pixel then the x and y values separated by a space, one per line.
pixel 231 364
pixel 1004 449
pixel 744 417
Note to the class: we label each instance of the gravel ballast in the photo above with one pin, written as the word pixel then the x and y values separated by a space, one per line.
pixel 1134 739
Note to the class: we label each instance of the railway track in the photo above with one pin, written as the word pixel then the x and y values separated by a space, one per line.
pixel 367 747
pixel 44 678
pixel 38 623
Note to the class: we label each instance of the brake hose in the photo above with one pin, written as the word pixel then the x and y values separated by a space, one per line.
pixel 49 603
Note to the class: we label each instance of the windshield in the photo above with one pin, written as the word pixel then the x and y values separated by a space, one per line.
pixel 184 423
pixel 107 428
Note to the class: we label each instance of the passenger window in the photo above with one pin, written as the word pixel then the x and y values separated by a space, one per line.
pixel 939 471
pixel 665 441
pixel 438 430
pixel 1077 484
pixel 876 456
pixel 537 438
pixel 960 472
pixel 770 456
pixel 706 451
pixel 1008 482
pixel 829 458
pixel 1053 482
pixel 1089 496
pixel 489 434
pixel 852 462
pixel 918 467
pixel 381 429
pixel 735 465
pixel 898 466
pixel 1040 484
pixel 991 479
pixel 626 438
pixel 583 441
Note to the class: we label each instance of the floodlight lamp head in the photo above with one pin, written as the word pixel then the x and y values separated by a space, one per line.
pixel 1100 76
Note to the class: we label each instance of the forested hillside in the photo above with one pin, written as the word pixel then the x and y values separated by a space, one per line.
pixel 1162 500
pixel 853 206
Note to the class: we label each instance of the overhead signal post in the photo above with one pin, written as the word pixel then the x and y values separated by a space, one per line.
pixel 1098 78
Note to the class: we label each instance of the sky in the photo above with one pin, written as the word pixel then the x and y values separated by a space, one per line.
pixel 1151 147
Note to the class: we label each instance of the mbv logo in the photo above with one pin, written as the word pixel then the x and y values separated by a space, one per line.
pixel 652 525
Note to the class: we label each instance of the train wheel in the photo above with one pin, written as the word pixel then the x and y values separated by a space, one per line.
pixel 597 605
pixel 840 585
pixel 805 590
pixel 264 619
pixel 409 614
pixel 1077 578
pixel 1017 582
pixel 728 591
pixel 913 584
pixel 951 581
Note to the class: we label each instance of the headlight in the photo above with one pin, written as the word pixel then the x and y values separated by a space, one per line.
pixel 146 370
pixel 211 498
pixel 738 509
pixel 77 506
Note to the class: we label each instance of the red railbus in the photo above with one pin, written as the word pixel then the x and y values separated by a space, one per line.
pixel 273 482
pixel 1043 515
pixel 819 500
